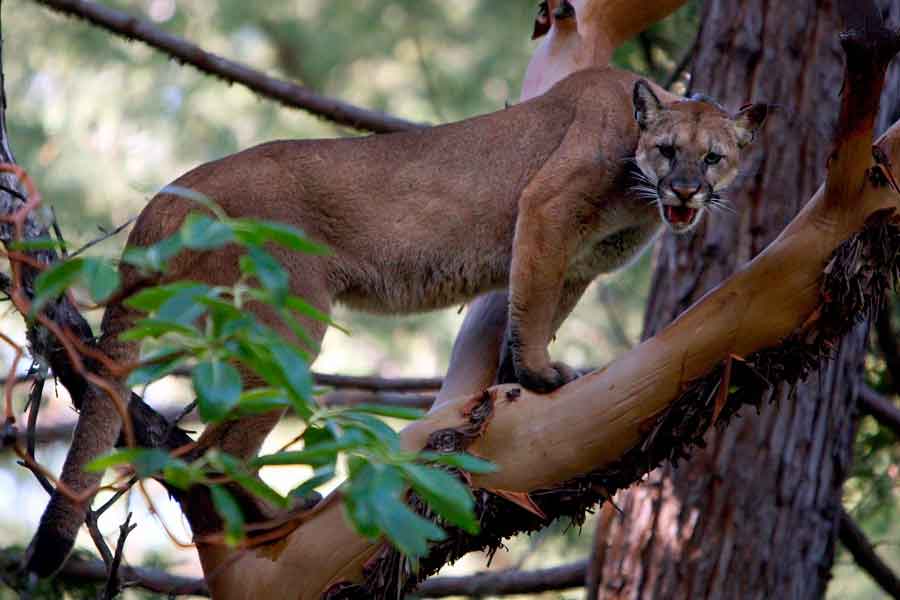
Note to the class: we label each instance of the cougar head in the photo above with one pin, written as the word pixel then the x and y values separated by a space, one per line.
pixel 689 152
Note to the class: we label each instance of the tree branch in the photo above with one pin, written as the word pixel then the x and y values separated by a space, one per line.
pixel 287 93
pixel 880 408
pixel 503 583
pixel 855 541
pixel 490 583
pixel 62 432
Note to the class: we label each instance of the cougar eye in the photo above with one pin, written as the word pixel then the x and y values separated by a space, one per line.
pixel 712 158
pixel 667 150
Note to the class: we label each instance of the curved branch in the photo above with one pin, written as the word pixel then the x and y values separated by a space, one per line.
pixel 285 92
pixel 855 541
pixel 881 408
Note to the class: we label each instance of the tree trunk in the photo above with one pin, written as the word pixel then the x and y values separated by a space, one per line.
pixel 754 515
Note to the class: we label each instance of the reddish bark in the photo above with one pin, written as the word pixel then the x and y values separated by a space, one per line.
pixel 756 514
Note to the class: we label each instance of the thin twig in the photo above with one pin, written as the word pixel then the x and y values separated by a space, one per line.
pixel 93 526
pixel 34 406
pixel 113 585
pixel 106 235
pixel 63 249
pixel 116 496
pixel 285 92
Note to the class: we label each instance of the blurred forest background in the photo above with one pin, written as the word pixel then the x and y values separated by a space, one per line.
pixel 101 124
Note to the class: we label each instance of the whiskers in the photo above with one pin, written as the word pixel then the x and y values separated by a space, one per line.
pixel 645 192
pixel 643 187
pixel 718 203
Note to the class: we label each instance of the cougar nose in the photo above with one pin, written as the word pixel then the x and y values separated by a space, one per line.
pixel 685 190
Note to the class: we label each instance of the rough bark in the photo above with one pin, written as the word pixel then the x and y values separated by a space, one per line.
pixel 756 514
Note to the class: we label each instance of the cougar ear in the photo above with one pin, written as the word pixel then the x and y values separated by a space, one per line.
pixel 541 21
pixel 646 105
pixel 748 120
pixel 565 10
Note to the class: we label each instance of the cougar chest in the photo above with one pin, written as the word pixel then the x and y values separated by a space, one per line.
pixel 606 251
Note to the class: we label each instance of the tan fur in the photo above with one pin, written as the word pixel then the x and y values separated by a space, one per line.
pixel 534 197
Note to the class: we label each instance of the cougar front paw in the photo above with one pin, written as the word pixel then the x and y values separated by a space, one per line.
pixel 544 381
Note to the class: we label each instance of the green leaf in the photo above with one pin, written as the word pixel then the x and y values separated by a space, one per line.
pixel 36 244
pixel 199 232
pixel 146 461
pixel 195 196
pixel 116 457
pixel 374 501
pixel 358 504
pixel 101 278
pixel 306 309
pixel 52 282
pixel 183 306
pixel 156 365
pixel 409 532
pixel 154 328
pixel 268 271
pixel 253 484
pixel 262 400
pixel 151 298
pixel 218 386
pixel 256 233
pixel 153 258
pixel 316 455
pixel 392 412
pixel 230 511
pixel 295 371
pixel 183 476
pixel 445 494
pixel 465 462
pixel 320 476
pixel 376 429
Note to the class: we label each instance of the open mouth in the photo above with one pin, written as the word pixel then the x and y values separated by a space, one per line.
pixel 680 215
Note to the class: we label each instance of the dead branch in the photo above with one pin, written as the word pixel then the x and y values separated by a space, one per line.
pixel 880 408
pixel 78 570
pixel 62 432
pixel 854 540
pixel 490 583
pixel 102 238
pixel 113 579
pixel 503 583
pixel 286 92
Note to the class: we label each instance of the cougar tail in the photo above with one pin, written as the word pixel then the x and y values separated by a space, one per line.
pixel 98 428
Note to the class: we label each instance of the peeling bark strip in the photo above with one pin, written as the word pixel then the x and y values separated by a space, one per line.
pixel 853 287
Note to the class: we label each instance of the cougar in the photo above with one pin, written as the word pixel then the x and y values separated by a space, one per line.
pixel 538 198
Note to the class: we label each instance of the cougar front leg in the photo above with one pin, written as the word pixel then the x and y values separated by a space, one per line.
pixel 541 250
pixel 571 294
